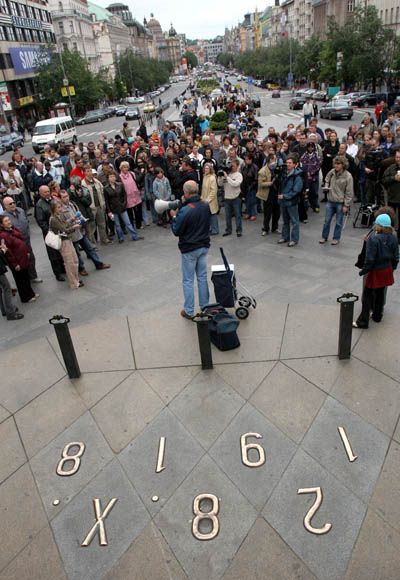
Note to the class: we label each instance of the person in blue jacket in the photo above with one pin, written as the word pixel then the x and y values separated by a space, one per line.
pixel 290 189
pixel 191 223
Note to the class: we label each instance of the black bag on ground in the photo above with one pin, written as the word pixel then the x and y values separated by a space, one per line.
pixel 222 327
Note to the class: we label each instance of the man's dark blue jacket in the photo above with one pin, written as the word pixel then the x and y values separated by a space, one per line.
pixel 192 225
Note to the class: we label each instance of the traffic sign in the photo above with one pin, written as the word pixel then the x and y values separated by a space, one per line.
pixel 65 82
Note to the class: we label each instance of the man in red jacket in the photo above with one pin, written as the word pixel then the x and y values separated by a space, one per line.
pixel 78 170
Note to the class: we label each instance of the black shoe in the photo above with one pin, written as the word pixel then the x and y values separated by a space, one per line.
pixel 239 234
pixel 226 234
pixel 81 284
pixel 15 316
pixel 60 278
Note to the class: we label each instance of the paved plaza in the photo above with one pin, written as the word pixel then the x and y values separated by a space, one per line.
pixel 151 431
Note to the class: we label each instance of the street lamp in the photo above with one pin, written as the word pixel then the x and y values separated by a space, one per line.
pixel 66 82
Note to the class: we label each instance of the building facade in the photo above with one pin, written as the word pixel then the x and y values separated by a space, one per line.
pixel 213 49
pixel 142 41
pixel 111 35
pixel 25 31
pixel 73 29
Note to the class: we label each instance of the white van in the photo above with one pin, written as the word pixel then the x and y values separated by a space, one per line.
pixel 52 132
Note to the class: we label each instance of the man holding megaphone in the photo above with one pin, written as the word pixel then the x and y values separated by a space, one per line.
pixel 191 223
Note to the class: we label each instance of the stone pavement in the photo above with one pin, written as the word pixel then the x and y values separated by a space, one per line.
pixel 252 432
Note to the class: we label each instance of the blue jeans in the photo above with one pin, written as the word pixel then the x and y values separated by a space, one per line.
pixel 233 206
pixel 123 217
pixel 195 261
pixel 290 215
pixel 90 252
pixel 307 119
pixel 214 227
pixel 333 208
pixel 251 203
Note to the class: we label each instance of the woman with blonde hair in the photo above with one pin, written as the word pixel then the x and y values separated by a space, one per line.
pixel 381 259
pixel 209 191
pixel 64 228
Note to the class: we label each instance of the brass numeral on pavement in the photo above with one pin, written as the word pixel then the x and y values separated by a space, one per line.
pixel 160 457
pixel 313 510
pixel 75 457
pixel 210 515
pixel 347 445
pixel 244 446
pixel 99 526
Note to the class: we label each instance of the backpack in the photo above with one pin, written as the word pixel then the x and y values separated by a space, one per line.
pixel 222 327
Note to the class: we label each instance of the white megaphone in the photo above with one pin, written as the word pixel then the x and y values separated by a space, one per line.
pixel 161 206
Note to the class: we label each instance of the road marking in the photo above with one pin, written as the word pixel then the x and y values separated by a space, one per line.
pixel 82 134
pixel 94 133
pixel 110 131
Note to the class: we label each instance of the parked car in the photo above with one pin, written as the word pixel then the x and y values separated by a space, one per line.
pixel 149 108
pixel 132 114
pixel 9 141
pixel 120 111
pixel 336 110
pixel 91 117
pixel 297 103
pixel 134 100
pixel 320 96
pixel 364 100
pixel 108 112
pixel 276 94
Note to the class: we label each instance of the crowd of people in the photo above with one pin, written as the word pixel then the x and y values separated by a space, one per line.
pixel 96 193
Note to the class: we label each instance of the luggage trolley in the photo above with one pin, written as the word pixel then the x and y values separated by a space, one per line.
pixel 365 216
pixel 226 289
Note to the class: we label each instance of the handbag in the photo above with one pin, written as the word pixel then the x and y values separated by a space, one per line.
pixel 53 240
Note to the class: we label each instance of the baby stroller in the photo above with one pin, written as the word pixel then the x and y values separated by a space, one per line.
pixel 364 217
pixel 226 291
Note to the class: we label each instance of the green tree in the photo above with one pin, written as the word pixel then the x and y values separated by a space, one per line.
pixel 307 61
pixel 191 58
pixel 227 59
pixel 142 73
pixel 88 87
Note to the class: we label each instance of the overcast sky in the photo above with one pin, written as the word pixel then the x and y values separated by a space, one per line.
pixel 196 19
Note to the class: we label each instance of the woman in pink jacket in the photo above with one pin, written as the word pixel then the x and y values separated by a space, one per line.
pixel 133 196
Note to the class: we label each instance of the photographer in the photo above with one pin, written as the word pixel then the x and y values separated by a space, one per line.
pixel 231 183
pixel 191 223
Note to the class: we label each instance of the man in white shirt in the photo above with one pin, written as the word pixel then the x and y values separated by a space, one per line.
pixel 308 110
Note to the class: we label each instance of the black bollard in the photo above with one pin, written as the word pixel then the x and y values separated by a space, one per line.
pixel 204 340
pixel 346 302
pixel 65 343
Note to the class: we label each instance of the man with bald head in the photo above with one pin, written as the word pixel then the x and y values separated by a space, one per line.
pixel 191 223
pixel 20 221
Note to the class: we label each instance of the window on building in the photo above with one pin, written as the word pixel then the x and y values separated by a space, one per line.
pixel 19 35
pixel 397 13
pixel 35 36
pixel 65 46
pixel 10 33
pixel 13 8
pixel 391 15
pixel 22 10
pixel 29 11
pixel 42 36
pixel 3 7
pixel 71 26
pixel 28 35
pixel 350 5
pixel 386 16
pixel 74 46
pixel 382 15
pixel 61 27
pixel 2 34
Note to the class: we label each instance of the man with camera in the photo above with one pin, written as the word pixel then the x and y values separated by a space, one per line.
pixel 191 223
pixel 231 182
pixel 290 188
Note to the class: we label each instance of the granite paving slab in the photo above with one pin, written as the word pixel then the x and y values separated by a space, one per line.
pixel 321 371
pixel 169 382
pixel 386 498
pixel 288 401
pixel 140 459
pixel 206 406
pixel 263 555
pixel 101 346
pixel 64 488
pixel 92 387
pixel 325 555
pixel 205 559
pixel 12 454
pixel 48 415
pixel 149 557
pixel 26 381
pixel 21 512
pixel 3 414
pixel 377 552
pixel 244 378
pixel 369 393
pixel 126 411
pixel 324 443
pixel 124 523
pixel 255 483
pixel 40 560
